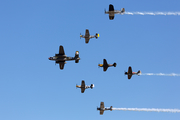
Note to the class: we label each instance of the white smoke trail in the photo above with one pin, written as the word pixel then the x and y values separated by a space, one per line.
pixel 148 109
pixel 160 74
pixel 152 13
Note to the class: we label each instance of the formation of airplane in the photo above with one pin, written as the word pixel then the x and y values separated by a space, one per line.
pixel 130 73
pixel 61 58
pixel 111 11
pixel 87 36
pixel 102 108
pixel 83 86
pixel 105 65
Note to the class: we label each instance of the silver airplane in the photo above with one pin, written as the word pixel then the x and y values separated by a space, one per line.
pixel 102 108
pixel 61 57
pixel 111 11
pixel 83 86
pixel 105 65
pixel 130 73
pixel 87 36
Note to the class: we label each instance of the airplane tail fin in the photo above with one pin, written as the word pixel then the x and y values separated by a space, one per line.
pixel 92 85
pixel 111 108
pixel 114 64
pixel 139 72
pixel 97 35
pixel 122 10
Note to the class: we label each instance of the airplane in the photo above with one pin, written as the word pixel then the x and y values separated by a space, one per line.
pixel 102 108
pixel 83 86
pixel 111 11
pixel 87 36
pixel 61 57
pixel 130 73
pixel 105 65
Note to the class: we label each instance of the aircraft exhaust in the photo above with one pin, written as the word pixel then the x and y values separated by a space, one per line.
pixel 152 13
pixel 148 110
pixel 160 74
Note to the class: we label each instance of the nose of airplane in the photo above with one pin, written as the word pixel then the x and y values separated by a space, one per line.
pixel 49 58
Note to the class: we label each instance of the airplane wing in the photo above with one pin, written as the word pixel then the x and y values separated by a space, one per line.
pixel 61 50
pixel 61 65
pixel 129 76
pixel 102 105
pixel 105 65
pixel 87 33
pixel 129 73
pixel 105 68
pixel 104 62
pixel 101 112
pixel 86 40
pixel 111 7
pixel 82 86
pixel 130 70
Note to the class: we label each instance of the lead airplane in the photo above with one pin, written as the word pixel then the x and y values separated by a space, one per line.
pixel 83 86
pixel 61 58
pixel 111 12
pixel 102 108
pixel 130 73
pixel 105 65
pixel 87 36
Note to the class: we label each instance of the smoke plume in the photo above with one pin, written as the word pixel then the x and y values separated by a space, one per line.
pixel 148 109
pixel 160 74
pixel 152 13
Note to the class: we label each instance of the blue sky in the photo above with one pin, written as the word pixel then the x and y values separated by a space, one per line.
pixel 33 88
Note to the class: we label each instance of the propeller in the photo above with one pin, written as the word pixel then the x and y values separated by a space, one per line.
pixel 80 35
pixel 105 11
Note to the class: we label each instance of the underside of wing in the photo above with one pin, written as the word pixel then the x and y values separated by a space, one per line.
pixel 86 40
pixel 82 90
pixel 130 70
pixel 105 68
pixel 101 112
pixel 87 33
pixel 61 65
pixel 61 50
pixel 83 84
pixel 111 17
pixel 105 65
pixel 105 62
pixel 111 7
pixel 102 105
pixel 129 76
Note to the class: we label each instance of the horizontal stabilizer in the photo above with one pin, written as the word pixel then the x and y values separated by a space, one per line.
pixel 92 85
pixel 139 72
pixel 97 35
pixel 122 10
pixel 111 108
pixel 114 64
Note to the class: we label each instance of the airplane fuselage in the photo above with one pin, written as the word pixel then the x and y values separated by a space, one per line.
pixel 79 86
pixel 104 109
pixel 133 73
pixel 111 13
pixel 62 58
pixel 102 65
